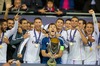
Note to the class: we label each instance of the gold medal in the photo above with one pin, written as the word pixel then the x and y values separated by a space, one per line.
pixel 0 46
pixel 36 45
pixel 91 49
pixel 71 43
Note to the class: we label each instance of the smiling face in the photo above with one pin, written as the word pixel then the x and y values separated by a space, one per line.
pixel 89 28
pixel 10 24
pixel 59 24
pixel 4 26
pixel 68 24
pixel 81 25
pixel 37 24
pixel 24 25
pixel 74 22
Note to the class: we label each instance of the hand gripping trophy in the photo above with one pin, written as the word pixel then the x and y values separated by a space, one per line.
pixel 53 48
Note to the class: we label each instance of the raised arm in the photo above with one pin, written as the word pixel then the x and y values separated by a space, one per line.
pixel 14 29
pixel 95 22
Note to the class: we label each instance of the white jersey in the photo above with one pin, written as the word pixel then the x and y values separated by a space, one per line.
pixel 32 52
pixel 64 35
pixel 77 48
pixel 4 45
pixel 99 48
pixel 92 56
pixel 65 52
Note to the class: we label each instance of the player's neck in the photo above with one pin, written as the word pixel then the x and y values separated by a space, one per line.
pixel 73 28
pixel 59 30
pixel 52 36
pixel 38 30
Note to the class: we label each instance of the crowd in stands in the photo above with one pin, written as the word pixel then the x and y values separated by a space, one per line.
pixel 58 5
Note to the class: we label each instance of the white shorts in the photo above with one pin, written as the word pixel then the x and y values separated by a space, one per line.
pixel 90 63
pixel 36 62
pixel 64 57
pixel 99 61
pixel 75 62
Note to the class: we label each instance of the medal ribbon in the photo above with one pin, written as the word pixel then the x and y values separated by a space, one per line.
pixel 37 39
pixel 72 37
pixel 2 38
pixel 90 44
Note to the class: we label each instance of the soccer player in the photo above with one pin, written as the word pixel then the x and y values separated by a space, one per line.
pixel 32 43
pixel 92 34
pixel 4 37
pixel 46 41
pixel 67 24
pixel 75 38
pixel 19 37
pixel 82 24
pixel 62 33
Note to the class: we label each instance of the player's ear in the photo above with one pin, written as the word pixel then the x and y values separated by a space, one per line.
pixel 0 27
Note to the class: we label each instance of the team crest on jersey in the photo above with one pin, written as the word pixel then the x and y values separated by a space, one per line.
pixel 47 43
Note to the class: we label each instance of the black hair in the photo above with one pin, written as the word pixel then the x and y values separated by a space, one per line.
pixel 68 20
pixel 37 18
pixel 2 20
pixel 59 19
pixel 84 21
pixel 50 1
pixel 51 24
pixel 74 17
pixel 22 20
pixel 10 19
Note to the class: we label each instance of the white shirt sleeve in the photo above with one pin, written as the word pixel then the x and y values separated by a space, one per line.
pixel 12 31
pixel 95 22
pixel 22 45
pixel 64 37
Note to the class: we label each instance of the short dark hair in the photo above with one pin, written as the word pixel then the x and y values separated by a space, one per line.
pixel 59 19
pixel 89 23
pixel 50 1
pixel 10 19
pixel 68 20
pixel 51 24
pixel 37 18
pixel 84 21
pixel 74 17
pixel 2 20
pixel 22 20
